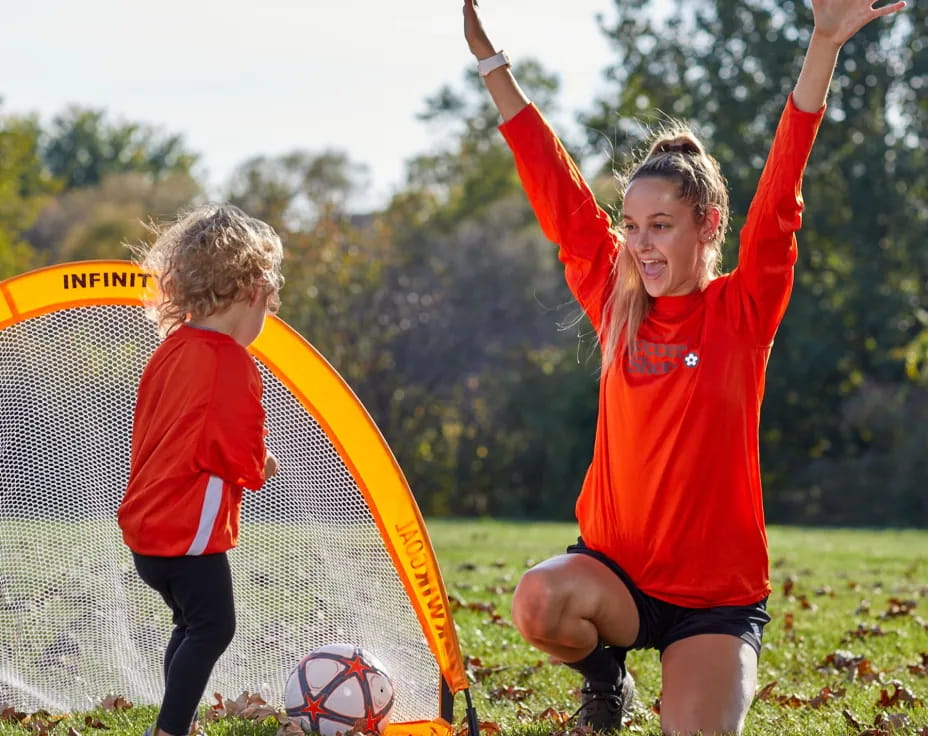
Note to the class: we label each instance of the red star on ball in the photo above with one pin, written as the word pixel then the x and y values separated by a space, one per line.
pixel 313 707
pixel 357 666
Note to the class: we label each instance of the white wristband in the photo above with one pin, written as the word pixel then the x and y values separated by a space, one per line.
pixel 485 66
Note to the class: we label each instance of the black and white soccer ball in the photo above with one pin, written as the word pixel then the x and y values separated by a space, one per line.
pixel 339 688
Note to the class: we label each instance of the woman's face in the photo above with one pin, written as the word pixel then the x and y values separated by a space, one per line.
pixel 663 237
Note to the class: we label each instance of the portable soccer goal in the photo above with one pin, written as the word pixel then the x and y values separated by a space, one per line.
pixel 333 549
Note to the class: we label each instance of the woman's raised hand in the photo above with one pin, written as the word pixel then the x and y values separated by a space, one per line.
pixel 476 37
pixel 838 20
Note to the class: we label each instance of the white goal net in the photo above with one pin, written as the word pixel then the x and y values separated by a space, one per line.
pixel 76 623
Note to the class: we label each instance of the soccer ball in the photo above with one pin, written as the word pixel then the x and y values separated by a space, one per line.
pixel 339 688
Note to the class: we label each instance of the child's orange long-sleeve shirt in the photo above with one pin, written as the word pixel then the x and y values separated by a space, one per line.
pixel 197 440
pixel 673 492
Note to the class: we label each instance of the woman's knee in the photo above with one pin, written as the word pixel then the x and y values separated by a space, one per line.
pixel 537 604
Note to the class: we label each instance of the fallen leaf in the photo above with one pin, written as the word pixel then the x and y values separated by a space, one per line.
pixel 900 694
pixel 825 695
pixel 895 721
pixel 511 692
pixel 11 715
pixel 115 702
pixel 898 607
pixel 852 721
pixel 560 717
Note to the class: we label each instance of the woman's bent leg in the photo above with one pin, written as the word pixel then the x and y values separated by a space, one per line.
pixel 708 685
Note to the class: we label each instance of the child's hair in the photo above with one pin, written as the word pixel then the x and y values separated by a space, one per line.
pixel 207 259
pixel 675 154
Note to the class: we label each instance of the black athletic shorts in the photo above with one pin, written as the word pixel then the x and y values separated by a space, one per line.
pixel 662 623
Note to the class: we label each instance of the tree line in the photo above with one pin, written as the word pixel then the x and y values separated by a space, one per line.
pixel 445 309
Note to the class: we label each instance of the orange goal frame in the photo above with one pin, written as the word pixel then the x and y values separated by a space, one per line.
pixel 326 396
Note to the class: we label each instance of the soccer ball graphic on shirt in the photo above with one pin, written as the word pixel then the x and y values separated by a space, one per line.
pixel 339 688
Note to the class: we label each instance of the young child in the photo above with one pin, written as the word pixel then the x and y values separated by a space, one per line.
pixel 198 434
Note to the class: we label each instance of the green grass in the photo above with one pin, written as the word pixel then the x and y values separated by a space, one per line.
pixel 840 579
pixel 840 583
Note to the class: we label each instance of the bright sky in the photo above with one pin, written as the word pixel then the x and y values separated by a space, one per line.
pixel 240 79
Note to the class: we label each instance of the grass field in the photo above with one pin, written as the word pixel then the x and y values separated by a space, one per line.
pixel 845 610
pixel 845 653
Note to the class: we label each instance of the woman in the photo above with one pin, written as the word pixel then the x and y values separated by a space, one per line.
pixel 673 552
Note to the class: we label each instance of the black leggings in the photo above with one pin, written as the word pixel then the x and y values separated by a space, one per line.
pixel 199 592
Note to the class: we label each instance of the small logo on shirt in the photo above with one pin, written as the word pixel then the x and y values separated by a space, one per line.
pixel 691 360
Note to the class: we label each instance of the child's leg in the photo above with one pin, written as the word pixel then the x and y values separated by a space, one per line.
pixel 199 592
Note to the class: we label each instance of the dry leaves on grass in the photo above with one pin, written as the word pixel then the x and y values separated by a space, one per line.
pixel 40 722
pixel 920 668
pixel 485 727
pixel 511 692
pixel 855 667
pixel 825 695
pixel 899 607
pixel 477 671
pixel 900 695
pixel 489 608
pixel 250 706
pixel 116 703
pixel 863 632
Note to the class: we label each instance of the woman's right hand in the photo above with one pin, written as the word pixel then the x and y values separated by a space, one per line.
pixel 476 37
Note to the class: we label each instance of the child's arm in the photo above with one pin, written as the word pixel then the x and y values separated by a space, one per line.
pixel 232 441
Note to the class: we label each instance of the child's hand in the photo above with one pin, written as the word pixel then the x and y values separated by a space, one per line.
pixel 270 466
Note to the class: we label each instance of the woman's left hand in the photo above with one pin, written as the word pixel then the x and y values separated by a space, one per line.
pixel 838 20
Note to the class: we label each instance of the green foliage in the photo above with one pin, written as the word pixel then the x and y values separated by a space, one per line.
pixel 857 311
pixel 446 310
pixel 84 187
pixel 290 192
pixel 472 167
pixel 96 221
pixel 81 148
pixel 25 187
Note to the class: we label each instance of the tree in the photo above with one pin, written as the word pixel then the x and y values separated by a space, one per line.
pixel 97 221
pixel 81 147
pixel 25 186
pixel 296 189
pixel 861 278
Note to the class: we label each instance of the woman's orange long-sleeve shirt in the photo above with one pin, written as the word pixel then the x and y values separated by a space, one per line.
pixel 673 492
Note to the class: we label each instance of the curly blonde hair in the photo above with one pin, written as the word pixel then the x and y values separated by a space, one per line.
pixel 207 259
pixel 677 155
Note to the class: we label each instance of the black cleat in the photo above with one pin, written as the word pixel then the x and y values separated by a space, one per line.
pixel 603 706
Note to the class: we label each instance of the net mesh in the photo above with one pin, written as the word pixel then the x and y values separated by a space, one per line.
pixel 76 623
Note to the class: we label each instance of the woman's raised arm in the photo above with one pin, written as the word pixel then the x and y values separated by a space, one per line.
pixel 835 22
pixel 502 85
